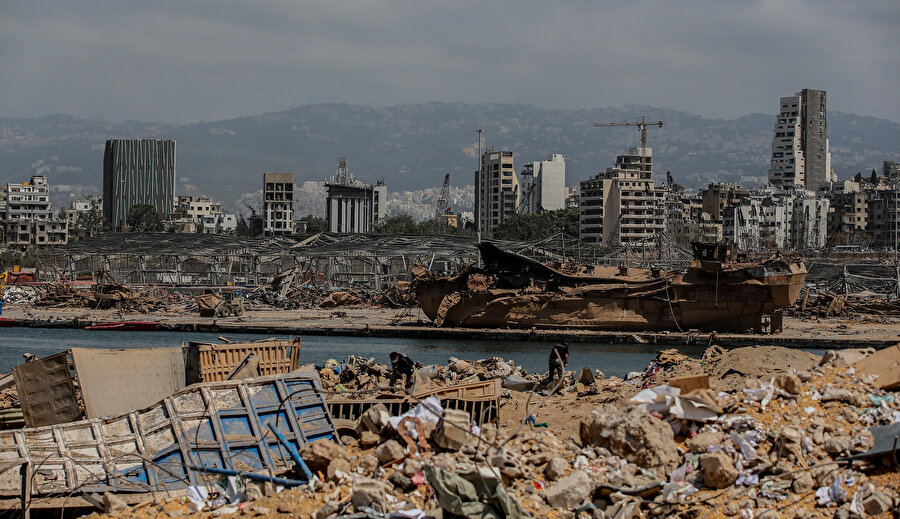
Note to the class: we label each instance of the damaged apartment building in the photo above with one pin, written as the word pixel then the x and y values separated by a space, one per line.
pixel 755 219
pixel 26 216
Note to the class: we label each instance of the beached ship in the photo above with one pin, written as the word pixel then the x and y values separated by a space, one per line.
pixel 718 291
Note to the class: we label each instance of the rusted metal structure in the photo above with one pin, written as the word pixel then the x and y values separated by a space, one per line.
pixel 719 291
pixel 323 259
pixel 480 399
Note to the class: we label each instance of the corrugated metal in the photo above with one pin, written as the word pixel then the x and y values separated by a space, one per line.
pixel 117 381
pixel 46 391
pixel 219 424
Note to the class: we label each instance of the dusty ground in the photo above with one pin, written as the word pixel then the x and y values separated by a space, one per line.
pixel 804 410
pixel 733 370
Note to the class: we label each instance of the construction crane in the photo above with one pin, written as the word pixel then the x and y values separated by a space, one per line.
pixel 642 126
pixel 441 207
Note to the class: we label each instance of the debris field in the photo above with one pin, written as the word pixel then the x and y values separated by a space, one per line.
pixel 751 432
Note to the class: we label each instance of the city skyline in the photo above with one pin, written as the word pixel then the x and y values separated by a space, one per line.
pixel 172 62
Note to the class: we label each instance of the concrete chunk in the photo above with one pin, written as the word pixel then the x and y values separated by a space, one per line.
pixel 632 434
pixel 452 429
pixel 718 470
pixel 375 419
pixel 388 452
pixel 571 491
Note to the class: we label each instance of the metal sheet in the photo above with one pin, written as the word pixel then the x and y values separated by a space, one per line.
pixel 218 424
pixel 117 381
pixel 46 391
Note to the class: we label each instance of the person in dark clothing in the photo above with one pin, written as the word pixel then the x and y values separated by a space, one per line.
pixel 559 358
pixel 401 365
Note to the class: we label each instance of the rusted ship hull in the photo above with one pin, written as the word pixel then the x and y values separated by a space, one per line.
pixel 515 292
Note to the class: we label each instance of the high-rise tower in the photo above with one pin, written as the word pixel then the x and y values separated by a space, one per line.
pixel 496 190
pixel 800 155
pixel 137 171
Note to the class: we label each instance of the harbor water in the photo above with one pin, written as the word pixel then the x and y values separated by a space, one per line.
pixel 612 359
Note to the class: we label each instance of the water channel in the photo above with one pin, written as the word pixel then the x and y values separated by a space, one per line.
pixel 612 359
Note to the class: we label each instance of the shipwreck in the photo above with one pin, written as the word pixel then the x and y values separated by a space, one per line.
pixel 719 291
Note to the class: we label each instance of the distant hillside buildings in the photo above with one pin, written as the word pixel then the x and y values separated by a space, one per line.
pixel 802 206
pixel 137 171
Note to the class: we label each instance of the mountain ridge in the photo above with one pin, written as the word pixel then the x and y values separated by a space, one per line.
pixel 412 146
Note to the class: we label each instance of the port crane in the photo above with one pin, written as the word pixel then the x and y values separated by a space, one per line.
pixel 642 126
pixel 441 207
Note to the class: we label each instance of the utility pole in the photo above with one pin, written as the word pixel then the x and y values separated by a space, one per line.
pixel 479 199
pixel 896 265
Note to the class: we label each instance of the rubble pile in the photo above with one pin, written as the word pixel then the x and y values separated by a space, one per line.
pixel 302 290
pixel 101 295
pixel 791 444
pixel 359 375
pixel 18 295
pixel 829 304
pixel 823 304
pixel 306 296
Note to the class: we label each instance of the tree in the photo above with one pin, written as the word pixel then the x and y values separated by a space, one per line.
pixel 874 178
pixel 313 223
pixel 89 223
pixel 535 226
pixel 435 226
pixel 858 177
pixel 399 224
pixel 144 218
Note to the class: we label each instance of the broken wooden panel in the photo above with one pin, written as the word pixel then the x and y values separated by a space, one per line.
pixel 209 362
pixel 46 391
pixel 480 399
pixel 117 381
pixel 219 424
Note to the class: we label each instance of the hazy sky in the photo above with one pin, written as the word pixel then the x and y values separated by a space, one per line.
pixel 182 60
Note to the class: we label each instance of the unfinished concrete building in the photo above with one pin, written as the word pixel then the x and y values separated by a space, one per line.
pixel 543 185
